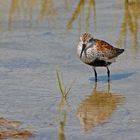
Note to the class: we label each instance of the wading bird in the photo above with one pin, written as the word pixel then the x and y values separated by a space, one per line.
pixel 97 53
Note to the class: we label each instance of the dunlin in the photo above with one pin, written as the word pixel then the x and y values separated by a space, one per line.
pixel 97 53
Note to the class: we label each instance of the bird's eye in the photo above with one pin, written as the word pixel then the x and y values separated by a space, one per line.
pixel 91 40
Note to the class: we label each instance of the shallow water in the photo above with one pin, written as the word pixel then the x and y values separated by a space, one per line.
pixel 40 36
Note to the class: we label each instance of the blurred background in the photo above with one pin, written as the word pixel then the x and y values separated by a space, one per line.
pixel 37 37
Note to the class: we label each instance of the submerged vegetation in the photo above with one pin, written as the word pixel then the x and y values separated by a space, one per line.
pixel 10 129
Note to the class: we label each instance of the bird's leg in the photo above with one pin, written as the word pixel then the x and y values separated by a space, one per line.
pixel 95 74
pixel 108 73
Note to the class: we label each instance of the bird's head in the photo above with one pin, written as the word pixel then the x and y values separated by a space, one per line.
pixel 86 40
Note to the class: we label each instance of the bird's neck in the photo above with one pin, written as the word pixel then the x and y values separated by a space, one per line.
pixel 87 55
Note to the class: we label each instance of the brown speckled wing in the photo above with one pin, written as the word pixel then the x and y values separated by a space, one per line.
pixel 105 50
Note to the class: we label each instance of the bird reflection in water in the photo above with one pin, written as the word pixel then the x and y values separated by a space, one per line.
pixel 97 108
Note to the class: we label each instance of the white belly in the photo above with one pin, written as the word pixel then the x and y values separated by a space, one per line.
pixel 89 55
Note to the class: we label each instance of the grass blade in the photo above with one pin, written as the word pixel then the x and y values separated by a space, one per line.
pixel 60 83
pixel 67 91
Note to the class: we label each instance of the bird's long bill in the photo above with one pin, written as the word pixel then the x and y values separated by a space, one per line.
pixel 83 48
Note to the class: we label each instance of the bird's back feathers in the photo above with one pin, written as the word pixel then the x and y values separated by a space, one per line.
pixel 106 50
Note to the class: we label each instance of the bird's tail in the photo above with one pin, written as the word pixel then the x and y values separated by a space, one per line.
pixel 119 51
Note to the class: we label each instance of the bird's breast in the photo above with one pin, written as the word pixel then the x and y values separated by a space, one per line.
pixel 88 55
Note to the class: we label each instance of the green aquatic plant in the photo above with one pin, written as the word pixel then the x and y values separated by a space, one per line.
pixel 63 89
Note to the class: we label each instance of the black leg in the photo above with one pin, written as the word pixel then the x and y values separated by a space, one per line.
pixel 108 73
pixel 95 74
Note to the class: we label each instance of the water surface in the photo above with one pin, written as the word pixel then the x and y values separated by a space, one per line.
pixel 39 36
